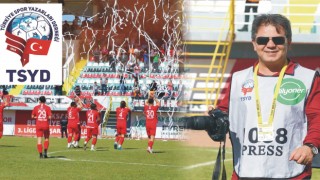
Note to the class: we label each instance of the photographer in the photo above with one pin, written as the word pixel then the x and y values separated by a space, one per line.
pixel 273 107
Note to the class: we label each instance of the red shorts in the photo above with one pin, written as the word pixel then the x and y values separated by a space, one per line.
pixel 121 128
pixel 151 129
pixel 92 131
pixel 43 131
pixel 73 129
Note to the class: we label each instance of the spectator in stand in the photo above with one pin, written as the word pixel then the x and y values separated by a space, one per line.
pixel 144 90
pixel 93 121
pixel 3 105
pixel 74 122
pixel 152 54
pixel 169 69
pixel 161 90
pixel 134 57
pixel 136 89
pixel 129 67
pixel 103 83
pixel 169 91
pixel 66 28
pixel 85 23
pixel 132 61
pixel 42 114
pixel 58 90
pixel 95 89
pixel 136 72
pixel 75 25
pixel 96 54
pixel 77 91
pixel 170 88
pixel 250 4
pixel 122 86
pixel 63 126
pixel 146 60
pixel 152 88
pixel 112 61
pixel 104 53
pixel 156 62
pixel 122 113
pixel 150 112
pixel 123 57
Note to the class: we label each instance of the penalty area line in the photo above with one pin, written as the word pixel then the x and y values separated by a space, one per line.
pixel 202 164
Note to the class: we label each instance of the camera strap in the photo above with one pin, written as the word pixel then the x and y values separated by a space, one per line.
pixel 217 167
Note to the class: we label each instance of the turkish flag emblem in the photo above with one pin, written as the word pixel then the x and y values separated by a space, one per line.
pixel 25 48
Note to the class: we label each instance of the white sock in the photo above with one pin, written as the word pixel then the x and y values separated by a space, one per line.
pixel 92 146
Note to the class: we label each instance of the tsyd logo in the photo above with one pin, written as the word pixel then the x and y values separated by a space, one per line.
pixel 31 44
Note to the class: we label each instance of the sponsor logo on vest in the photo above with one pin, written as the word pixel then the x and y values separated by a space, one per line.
pixel 292 91
pixel 247 86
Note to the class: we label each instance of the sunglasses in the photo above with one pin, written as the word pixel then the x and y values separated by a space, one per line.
pixel 279 40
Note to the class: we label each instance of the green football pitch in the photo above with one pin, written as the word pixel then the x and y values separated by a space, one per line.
pixel 170 160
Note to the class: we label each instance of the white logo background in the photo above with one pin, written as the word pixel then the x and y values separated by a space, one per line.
pixel 51 62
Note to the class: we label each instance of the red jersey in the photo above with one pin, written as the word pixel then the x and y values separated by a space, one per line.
pixel 92 117
pixel 73 115
pixel 151 113
pixel 2 106
pixel 122 114
pixel 42 113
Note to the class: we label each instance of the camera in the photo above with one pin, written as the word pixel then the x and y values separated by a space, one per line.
pixel 216 124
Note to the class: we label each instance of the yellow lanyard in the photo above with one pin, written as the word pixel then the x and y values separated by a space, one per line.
pixel 275 95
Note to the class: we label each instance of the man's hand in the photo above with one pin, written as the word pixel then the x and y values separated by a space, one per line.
pixel 302 155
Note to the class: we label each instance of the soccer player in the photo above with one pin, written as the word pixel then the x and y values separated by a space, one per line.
pixel 121 113
pixel 93 121
pixel 73 122
pixel 150 111
pixel 42 114
pixel 2 106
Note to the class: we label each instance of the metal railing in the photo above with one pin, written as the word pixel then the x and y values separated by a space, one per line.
pixel 217 59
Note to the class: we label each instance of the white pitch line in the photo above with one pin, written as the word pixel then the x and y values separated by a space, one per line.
pixel 203 164
pixel 65 159
pixel 63 151
pixel 112 162
pixel 132 163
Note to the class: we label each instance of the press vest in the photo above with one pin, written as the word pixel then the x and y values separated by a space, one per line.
pixel 252 158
